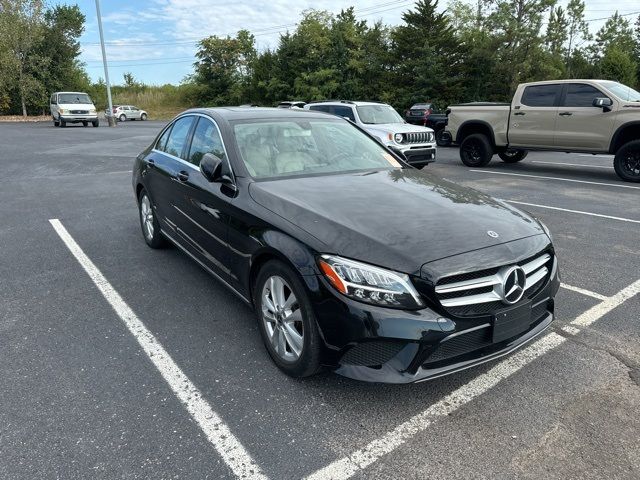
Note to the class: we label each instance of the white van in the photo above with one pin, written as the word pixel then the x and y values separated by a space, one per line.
pixel 73 107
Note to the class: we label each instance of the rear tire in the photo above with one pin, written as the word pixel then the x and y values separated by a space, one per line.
pixel 296 324
pixel 512 156
pixel 627 162
pixel 149 222
pixel 476 150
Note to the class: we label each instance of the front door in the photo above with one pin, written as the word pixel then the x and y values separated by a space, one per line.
pixel 532 121
pixel 580 125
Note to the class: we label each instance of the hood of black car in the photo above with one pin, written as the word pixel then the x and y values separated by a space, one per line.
pixel 399 219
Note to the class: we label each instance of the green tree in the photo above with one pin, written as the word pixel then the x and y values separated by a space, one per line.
pixel 557 33
pixel 21 32
pixel 618 64
pixel 577 33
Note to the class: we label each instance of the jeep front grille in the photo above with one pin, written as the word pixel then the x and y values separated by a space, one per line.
pixel 479 292
pixel 418 137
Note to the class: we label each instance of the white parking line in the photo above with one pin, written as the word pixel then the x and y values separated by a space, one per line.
pixel 555 178
pixel 583 291
pixel 572 164
pixel 217 432
pixel 611 217
pixel 348 466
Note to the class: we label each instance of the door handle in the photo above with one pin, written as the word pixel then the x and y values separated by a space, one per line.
pixel 151 162
pixel 566 114
pixel 519 113
pixel 182 176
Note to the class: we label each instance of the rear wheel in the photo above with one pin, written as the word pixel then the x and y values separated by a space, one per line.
pixel 149 222
pixel 286 320
pixel 627 162
pixel 512 156
pixel 476 150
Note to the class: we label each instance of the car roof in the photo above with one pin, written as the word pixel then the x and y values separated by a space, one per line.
pixel 357 103
pixel 73 93
pixel 244 113
pixel 568 80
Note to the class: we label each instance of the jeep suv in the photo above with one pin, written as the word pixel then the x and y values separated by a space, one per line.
pixel 413 143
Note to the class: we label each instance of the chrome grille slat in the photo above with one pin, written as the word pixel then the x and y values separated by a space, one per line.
pixel 535 270
pixel 417 137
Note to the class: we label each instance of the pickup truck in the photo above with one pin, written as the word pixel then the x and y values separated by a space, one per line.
pixel 426 114
pixel 587 116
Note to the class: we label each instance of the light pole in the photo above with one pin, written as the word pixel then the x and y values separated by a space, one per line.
pixel 111 121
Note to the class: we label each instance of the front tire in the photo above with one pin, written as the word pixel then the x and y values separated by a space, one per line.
pixel 85 124
pixel 143 117
pixel 512 156
pixel 286 320
pixel 122 117
pixel 63 124
pixel 442 140
pixel 95 123
pixel 476 150
pixel 627 162
pixel 149 222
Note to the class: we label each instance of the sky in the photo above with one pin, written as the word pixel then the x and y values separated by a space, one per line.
pixel 155 40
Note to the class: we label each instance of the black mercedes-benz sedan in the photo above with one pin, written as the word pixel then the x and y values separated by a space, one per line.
pixel 351 259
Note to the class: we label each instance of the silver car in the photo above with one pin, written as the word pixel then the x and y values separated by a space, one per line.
pixel 127 112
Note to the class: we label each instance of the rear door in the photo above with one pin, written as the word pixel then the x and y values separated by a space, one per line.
pixel 203 207
pixel 533 117
pixel 166 163
pixel 580 125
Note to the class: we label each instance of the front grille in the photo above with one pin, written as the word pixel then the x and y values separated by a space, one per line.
pixel 373 353
pixel 477 293
pixel 418 137
pixel 79 112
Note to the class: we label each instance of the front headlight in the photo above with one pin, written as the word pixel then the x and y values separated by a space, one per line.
pixel 398 138
pixel 369 284
pixel 62 111
pixel 93 110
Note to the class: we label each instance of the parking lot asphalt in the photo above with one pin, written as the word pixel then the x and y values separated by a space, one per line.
pixel 83 397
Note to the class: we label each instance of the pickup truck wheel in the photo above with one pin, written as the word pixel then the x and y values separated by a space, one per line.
pixel 512 156
pixel 442 139
pixel 476 150
pixel 627 162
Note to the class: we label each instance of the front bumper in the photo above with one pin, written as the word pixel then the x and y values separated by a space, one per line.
pixel 384 345
pixel 79 118
pixel 417 155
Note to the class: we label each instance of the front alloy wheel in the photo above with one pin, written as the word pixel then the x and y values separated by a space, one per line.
pixel 627 162
pixel 286 320
pixel 282 318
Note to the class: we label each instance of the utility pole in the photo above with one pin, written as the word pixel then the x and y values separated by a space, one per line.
pixel 110 118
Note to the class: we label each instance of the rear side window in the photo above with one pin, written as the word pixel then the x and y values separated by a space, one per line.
pixel 178 136
pixel 581 95
pixel 541 95
pixel 346 112
pixel 206 139
pixel 320 108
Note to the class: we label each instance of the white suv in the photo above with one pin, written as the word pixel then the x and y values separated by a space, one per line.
pixel 414 143
pixel 127 112
pixel 72 107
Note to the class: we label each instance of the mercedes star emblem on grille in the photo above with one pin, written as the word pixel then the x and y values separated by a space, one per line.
pixel 514 280
pixel 492 234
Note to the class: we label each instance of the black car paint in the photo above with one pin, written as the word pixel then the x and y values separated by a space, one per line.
pixel 436 228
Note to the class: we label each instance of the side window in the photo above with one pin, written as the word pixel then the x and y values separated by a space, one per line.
pixel 320 108
pixel 53 99
pixel 178 136
pixel 540 95
pixel 581 95
pixel 162 141
pixel 346 112
pixel 205 140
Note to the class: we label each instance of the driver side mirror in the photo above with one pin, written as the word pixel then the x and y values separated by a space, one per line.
pixel 604 103
pixel 211 167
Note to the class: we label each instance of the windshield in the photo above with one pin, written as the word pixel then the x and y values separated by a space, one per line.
pixel 275 148
pixel 623 92
pixel 74 98
pixel 374 114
